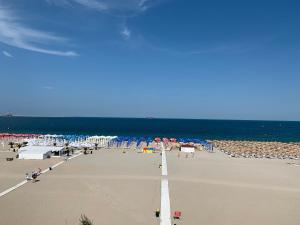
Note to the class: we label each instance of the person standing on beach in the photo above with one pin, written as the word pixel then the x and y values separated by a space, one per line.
pixel 34 176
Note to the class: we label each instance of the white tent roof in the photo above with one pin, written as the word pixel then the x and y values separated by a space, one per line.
pixel 39 149
pixel 102 137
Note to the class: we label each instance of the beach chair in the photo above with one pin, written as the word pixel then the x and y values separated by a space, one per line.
pixel 177 215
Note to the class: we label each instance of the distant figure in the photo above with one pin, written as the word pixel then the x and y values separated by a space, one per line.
pixel 34 176
pixel 50 168
pixel 157 213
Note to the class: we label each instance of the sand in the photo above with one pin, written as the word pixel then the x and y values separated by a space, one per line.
pixel 113 188
pixel 13 172
pixel 257 149
pixel 213 189
pixel 109 187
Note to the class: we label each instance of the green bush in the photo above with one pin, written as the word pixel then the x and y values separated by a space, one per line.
pixel 84 220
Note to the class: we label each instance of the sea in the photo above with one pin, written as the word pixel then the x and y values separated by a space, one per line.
pixel 283 131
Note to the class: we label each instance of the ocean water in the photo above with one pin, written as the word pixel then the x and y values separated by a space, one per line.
pixel 205 129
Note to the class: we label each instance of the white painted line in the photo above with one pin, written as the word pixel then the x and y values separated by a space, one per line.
pixel 25 181
pixel 56 165
pixel 74 156
pixel 164 167
pixel 165 208
pixel 13 188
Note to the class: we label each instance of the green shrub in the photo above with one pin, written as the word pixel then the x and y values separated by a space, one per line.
pixel 84 220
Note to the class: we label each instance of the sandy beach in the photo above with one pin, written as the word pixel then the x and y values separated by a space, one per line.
pixel 14 172
pixel 258 149
pixel 109 186
pixel 212 189
pixel 112 187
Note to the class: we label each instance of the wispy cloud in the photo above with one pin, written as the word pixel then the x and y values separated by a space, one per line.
pixel 122 9
pixel 92 4
pixel 7 54
pixel 126 33
pixel 138 41
pixel 226 48
pixel 143 5
pixel 15 34
pixel 131 6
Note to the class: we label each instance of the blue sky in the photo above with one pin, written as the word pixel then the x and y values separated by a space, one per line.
pixel 160 58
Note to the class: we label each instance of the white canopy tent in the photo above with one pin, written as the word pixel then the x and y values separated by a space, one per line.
pixel 187 148
pixel 38 152
pixel 102 141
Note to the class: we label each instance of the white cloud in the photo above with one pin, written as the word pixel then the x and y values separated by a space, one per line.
pixel 92 4
pixel 143 4
pixel 134 6
pixel 7 54
pixel 126 33
pixel 15 34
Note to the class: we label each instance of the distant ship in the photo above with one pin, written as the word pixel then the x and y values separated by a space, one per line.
pixel 6 115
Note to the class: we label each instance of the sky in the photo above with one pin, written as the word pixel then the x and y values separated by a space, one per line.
pixel 151 58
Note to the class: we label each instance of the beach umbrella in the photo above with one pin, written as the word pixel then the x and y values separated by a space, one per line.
pixel 165 140
pixel 173 140
pixel 157 139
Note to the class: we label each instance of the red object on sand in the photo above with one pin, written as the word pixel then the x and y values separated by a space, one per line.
pixel 177 215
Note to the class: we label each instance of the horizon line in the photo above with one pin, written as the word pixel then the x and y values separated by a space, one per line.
pixel 150 118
